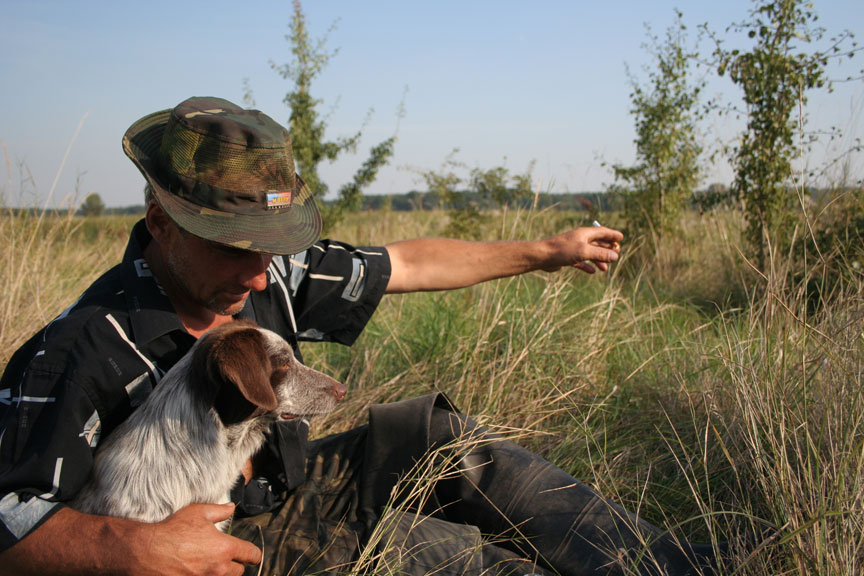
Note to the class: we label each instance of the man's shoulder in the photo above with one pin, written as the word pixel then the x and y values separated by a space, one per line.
pixel 82 329
pixel 106 296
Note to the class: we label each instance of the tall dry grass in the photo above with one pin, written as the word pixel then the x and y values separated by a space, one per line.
pixel 47 256
pixel 47 259
pixel 719 402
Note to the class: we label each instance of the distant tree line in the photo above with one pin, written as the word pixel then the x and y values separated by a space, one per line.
pixel 426 200
pixel 714 195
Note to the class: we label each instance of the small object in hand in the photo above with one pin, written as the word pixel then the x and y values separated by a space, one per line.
pixel 615 245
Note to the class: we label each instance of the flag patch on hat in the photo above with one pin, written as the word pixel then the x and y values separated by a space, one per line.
pixel 278 199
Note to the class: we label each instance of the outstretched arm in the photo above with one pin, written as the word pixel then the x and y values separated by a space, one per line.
pixel 427 264
pixel 186 543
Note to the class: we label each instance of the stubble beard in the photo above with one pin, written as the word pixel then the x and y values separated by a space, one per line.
pixel 177 268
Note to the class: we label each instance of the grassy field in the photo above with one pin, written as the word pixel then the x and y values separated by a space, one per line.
pixel 718 401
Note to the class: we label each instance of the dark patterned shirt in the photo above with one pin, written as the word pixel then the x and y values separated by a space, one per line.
pixel 84 373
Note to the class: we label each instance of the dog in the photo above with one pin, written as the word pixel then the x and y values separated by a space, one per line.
pixel 189 440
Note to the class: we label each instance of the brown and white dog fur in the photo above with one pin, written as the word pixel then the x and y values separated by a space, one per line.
pixel 188 442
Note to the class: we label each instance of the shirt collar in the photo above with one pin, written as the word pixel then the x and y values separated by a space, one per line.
pixel 150 311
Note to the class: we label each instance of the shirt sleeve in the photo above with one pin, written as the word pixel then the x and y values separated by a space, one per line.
pixel 48 427
pixel 334 289
pixel 62 392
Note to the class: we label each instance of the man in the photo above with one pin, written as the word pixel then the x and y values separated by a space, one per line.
pixel 224 210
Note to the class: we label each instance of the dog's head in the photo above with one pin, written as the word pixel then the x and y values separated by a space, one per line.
pixel 247 371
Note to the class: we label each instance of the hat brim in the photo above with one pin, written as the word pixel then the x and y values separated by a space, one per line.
pixel 287 230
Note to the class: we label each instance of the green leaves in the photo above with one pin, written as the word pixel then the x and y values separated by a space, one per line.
pixel 667 168
pixel 308 130
pixel 775 76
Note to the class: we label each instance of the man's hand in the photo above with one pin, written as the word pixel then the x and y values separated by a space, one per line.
pixel 186 543
pixel 584 248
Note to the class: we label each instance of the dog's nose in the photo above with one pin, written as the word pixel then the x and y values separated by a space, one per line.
pixel 339 391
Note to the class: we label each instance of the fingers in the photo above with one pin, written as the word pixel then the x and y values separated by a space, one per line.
pixel 591 267
pixel 246 552
pixel 589 249
pixel 597 263
pixel 615 246
pixel 601 233
pixel 599 254
pixel 215 513
pixel 608 244
pixel 602 247
pixel 205 546
pixel 241 551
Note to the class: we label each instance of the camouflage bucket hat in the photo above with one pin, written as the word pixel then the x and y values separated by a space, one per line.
pixel 226 174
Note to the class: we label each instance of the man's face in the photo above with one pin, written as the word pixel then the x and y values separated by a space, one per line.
pixel 212 276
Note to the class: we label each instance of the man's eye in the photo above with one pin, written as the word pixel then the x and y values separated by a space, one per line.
pixel 233 253
pixel 227 251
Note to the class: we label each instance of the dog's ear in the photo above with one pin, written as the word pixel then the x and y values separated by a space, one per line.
pixel 238 373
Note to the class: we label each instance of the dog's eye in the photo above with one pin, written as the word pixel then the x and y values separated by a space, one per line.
pixel 285 360
pixel 278 375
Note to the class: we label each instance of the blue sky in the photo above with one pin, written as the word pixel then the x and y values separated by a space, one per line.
pixel 542 80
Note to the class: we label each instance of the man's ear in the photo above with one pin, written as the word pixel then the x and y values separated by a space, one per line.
pixel 158 223
pixel 237 370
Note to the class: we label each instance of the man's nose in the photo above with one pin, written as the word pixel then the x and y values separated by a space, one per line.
pixel 255 274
